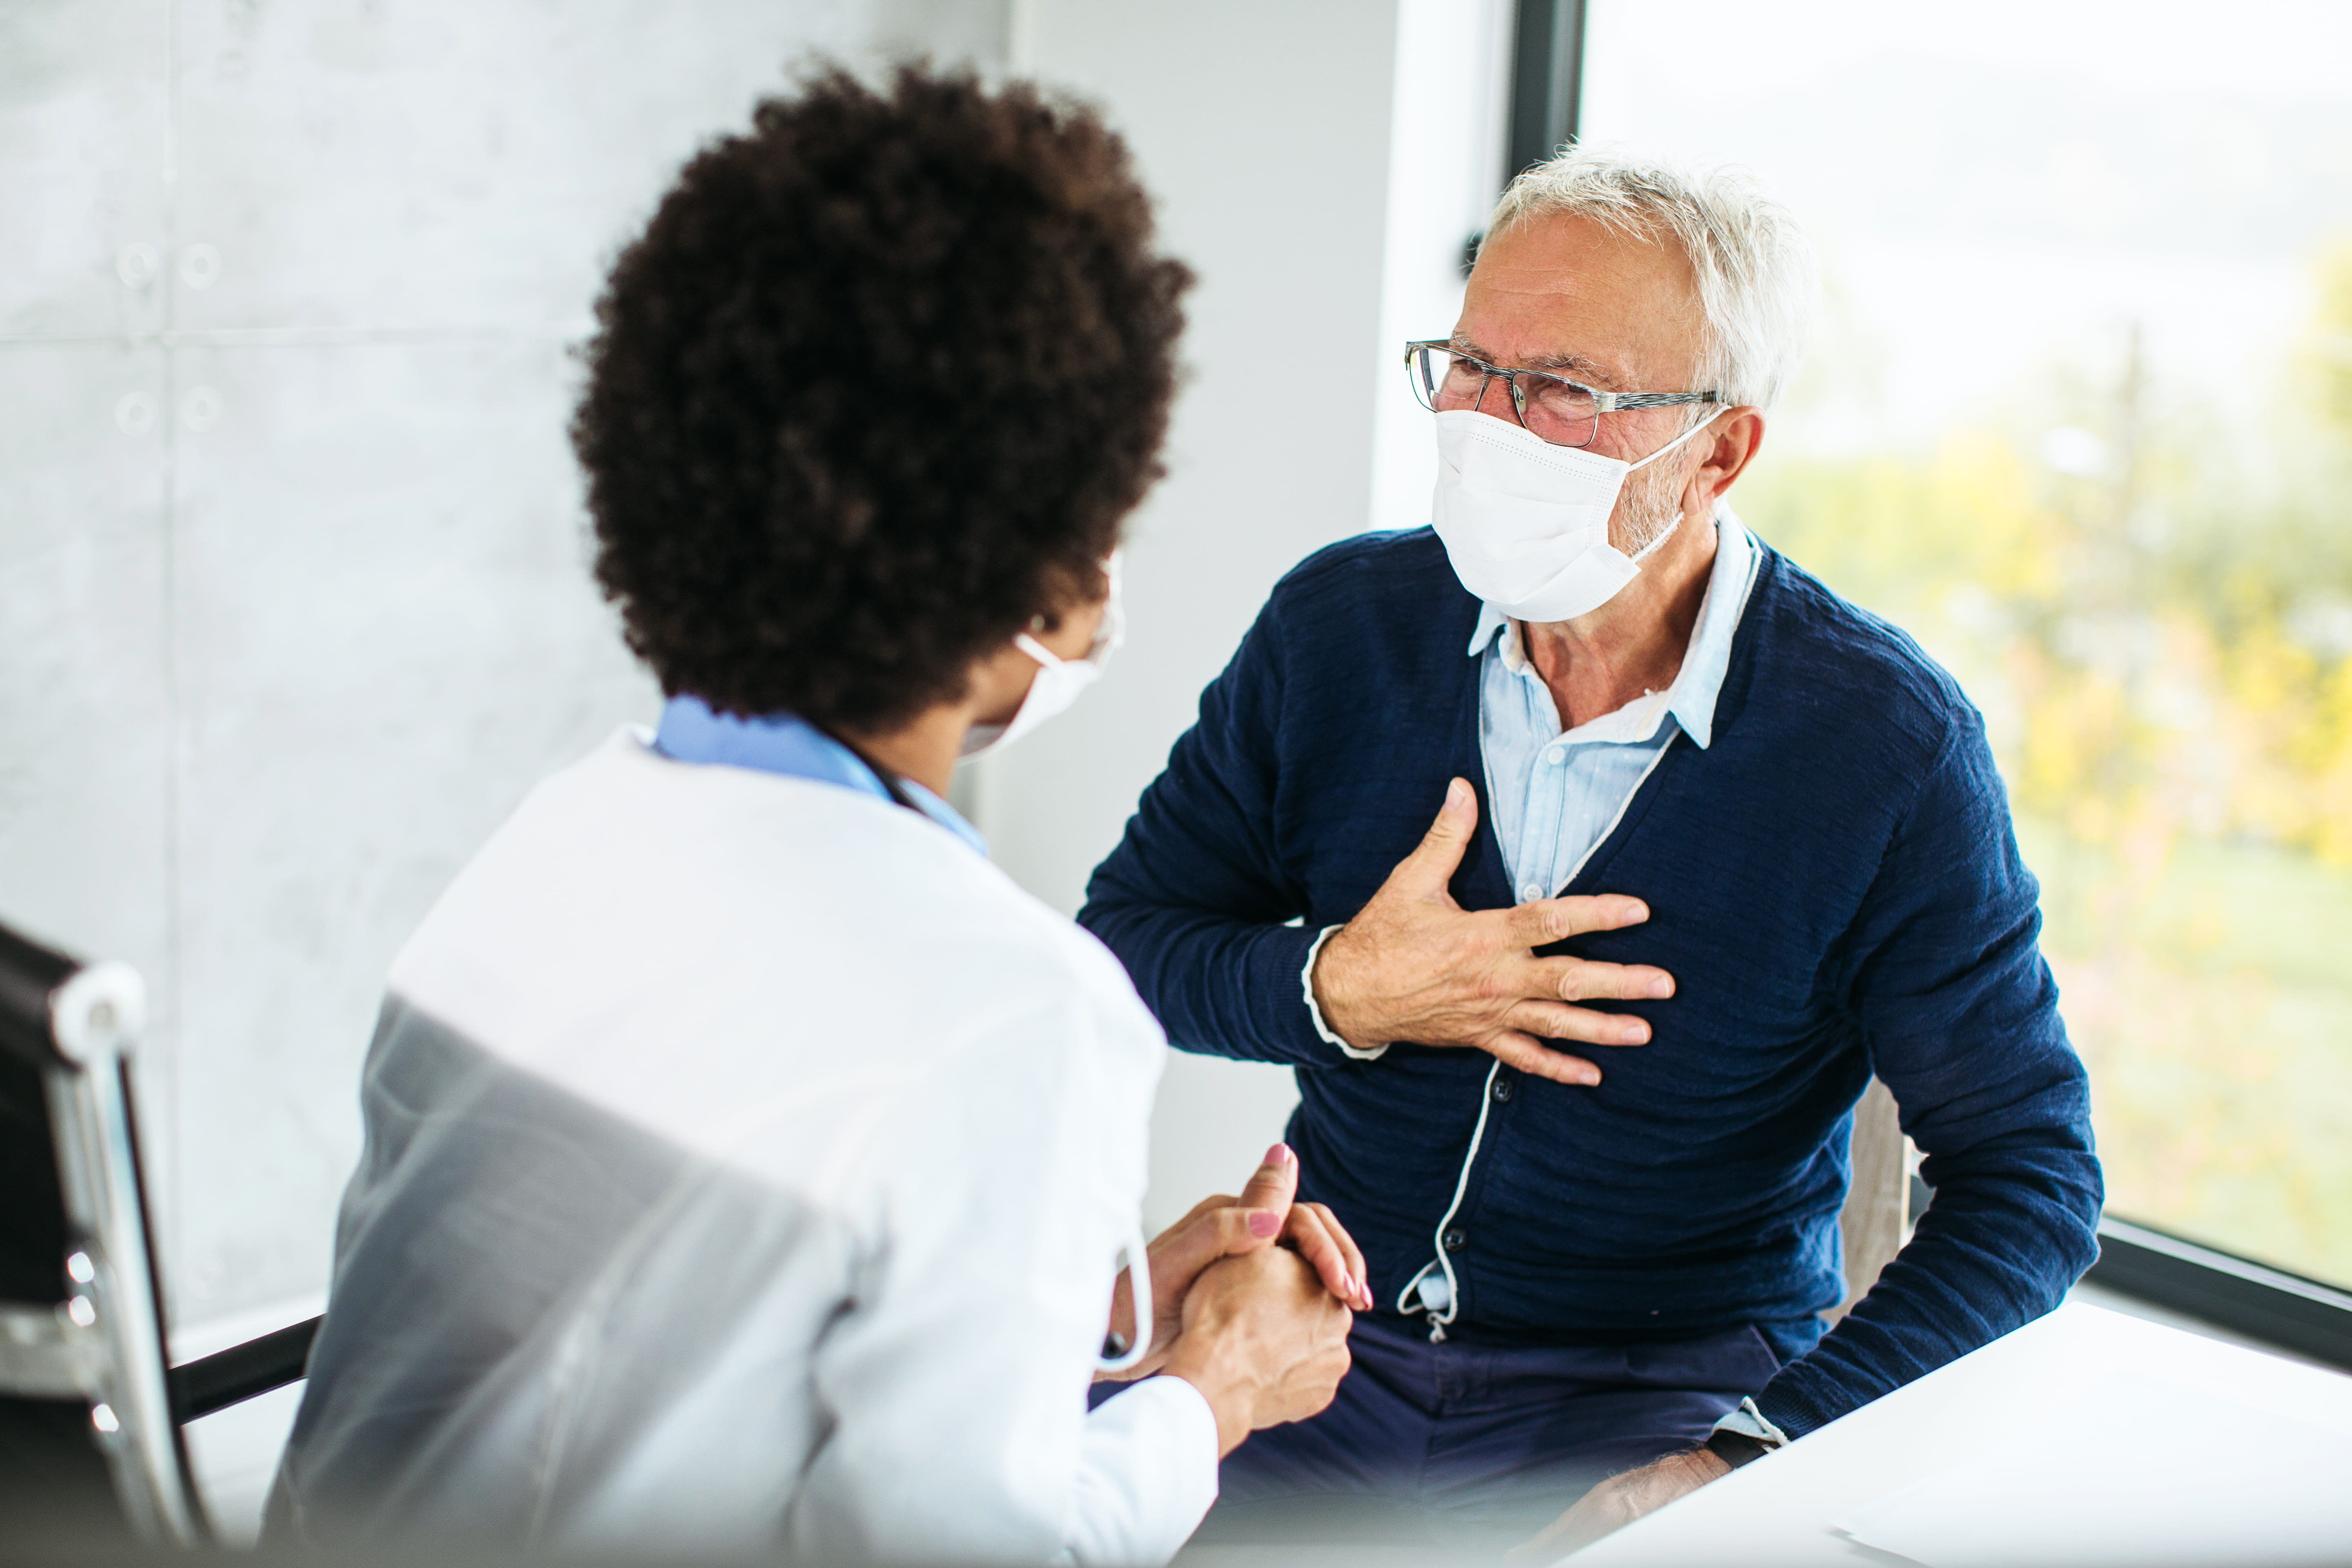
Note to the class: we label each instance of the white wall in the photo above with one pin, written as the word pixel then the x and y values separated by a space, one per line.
pixel 1271 136
pixel 1446 145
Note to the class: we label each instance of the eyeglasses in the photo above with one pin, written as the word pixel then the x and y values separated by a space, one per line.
pixel 1556 410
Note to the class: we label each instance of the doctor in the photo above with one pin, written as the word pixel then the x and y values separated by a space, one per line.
pixel 749 1161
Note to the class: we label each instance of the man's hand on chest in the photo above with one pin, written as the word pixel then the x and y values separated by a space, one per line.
pixel 1414 965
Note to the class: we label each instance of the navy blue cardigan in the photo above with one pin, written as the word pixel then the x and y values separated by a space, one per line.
pixel 1836 887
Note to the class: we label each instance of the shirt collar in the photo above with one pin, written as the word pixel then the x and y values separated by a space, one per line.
pixel 691 732
pixel 1691 699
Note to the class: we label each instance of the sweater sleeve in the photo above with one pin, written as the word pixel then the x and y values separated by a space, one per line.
pixel 1195 900
pixel 1943 972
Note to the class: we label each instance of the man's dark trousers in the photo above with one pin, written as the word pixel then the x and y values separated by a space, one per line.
pixel 1468 1442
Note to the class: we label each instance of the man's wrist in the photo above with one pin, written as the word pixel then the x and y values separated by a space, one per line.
pixel 1231 1393
pixel 1314 1002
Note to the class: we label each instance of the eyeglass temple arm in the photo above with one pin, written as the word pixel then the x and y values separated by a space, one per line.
pixel 1611 401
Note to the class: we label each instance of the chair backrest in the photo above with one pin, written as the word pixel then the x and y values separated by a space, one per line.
pixel 83 1378
pixel 1876 1219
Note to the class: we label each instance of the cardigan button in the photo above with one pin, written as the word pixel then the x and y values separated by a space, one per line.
pixel 1456 1240
pixel 1502 1087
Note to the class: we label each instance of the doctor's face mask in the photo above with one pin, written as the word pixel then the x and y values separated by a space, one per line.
pixel 1059 681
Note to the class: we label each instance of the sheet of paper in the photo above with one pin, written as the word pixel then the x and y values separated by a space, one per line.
pixel 2140 1471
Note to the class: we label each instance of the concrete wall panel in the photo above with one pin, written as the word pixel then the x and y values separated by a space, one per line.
pixel 293 583
pixel 388 634
pixel 85 131
pixel 356 165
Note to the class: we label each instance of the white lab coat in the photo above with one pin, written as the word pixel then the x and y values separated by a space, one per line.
pixel 747 1160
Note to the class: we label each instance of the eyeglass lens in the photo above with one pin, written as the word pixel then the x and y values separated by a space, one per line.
pixel 1558 411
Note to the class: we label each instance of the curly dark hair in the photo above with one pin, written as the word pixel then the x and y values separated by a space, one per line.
pixel 878 385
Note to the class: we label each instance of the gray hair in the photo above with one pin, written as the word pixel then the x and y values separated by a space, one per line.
pixel 1755 270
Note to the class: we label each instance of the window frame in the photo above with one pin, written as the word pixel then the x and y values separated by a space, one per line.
pixel 2294 1314
pixel 1547 81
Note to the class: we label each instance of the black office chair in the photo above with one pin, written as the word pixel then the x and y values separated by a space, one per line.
pixel 90 1408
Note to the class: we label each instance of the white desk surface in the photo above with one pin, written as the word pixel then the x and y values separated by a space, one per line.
pixel 1988 1426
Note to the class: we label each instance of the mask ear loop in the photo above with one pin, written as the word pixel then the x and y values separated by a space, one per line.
pixel 1651 548
pixel 1047 657
pixel 1108 636
pixel 1670 445
pixel 1139 1281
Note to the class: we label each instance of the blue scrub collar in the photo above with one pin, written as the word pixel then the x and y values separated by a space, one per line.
pixel 690 732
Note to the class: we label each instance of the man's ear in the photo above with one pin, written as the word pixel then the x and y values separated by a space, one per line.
pixel 1731 448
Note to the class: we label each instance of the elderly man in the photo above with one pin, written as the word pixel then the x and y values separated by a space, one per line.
pixel 1686 800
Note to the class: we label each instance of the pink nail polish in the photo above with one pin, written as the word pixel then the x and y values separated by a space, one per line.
pixel 1278 1155
pixel 1262 1223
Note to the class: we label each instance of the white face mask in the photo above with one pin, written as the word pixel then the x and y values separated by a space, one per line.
pixel 1059 681
pixel 1526 523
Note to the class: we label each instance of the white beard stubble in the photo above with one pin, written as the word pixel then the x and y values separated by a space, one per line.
pixel 1649 508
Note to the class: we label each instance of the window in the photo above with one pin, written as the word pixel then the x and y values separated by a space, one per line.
pixel 2078 414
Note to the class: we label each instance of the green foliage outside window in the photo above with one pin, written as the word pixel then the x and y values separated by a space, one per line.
pixel 2148 592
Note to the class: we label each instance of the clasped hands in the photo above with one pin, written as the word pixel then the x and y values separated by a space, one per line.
pixel 1251 1298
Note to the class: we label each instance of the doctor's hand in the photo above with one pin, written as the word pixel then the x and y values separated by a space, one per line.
pixel 1262 1341
pixel 1223 1227
pixel 1413 965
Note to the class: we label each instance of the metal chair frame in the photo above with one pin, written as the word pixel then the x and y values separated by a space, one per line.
pixel 78 1024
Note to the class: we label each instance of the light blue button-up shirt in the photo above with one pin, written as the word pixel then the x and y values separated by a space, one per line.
pixel 1555 795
